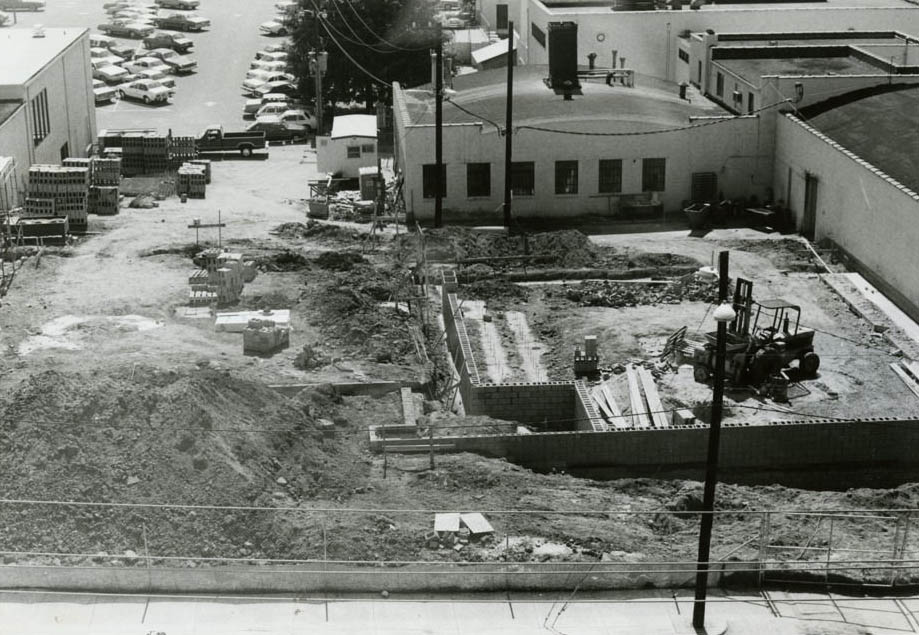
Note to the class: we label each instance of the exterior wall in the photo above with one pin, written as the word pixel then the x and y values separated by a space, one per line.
pixel 488 18
pixel 865 212
pixel 332 157
pixel 71 107
pixel 728 148
pixel 647 39
pixel 16 142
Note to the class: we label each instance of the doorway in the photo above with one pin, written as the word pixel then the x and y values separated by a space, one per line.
pixel 809 222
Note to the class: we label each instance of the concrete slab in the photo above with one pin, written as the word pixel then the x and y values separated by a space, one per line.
pixel 235 322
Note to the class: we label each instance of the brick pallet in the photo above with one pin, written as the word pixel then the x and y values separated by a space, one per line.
pixel 207 168
pixel 191 181
pixel 38 207
pixel 201 298
pixel 106 172
pixel 103 200
pixel 65 185
pixel 56 227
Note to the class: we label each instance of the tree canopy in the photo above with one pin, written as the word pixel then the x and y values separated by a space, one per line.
pixel 370 43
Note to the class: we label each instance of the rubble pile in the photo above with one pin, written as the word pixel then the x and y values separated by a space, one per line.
pixel 317 231
pixel 690 288
pixel 348 205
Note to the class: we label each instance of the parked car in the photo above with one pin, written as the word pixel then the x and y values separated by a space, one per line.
pixel 169 40
pixel 182 22
pixel 137 15
pixel 263 77
pixel 126 28
pixel 104 56
pixel 273 27
pixel 282 46
pixel 275 130
pixel 146 64
pixel 185 5
pixel 266 55
pixel 108 73
pixel 276 108
pixel 284 87
pixel 215 139
pixel 97 40
pixel 22 5
pixel 178 63
pixel 146 90
pixel 123 51
pixel 114 7
pixel 102 93
pixel 253 105
pixel 299 121
pixel 286 5
pixel 261 65
pixel 158 76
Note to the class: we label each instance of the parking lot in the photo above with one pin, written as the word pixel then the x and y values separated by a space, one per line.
pixel 212 95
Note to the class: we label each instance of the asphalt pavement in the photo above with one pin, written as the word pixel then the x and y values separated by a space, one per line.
pixel 212 95
pixel 626 613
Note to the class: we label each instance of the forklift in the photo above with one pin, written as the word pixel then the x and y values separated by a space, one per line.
pixel 763 340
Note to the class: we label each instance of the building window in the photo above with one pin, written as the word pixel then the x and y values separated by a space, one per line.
pixel 501 17
pixel 719 85
pixel 478 179
pixel 368 148
pixel 566 177
pixel 538 34
pixel 751 104
pixel 653 173
pixel 429 180
pixel 683 55
pixel 354 152
pixel 523 178
pixel 610 176
pixel 41 122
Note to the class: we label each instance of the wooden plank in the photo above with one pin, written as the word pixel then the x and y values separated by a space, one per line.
pixel 446 522
pixel 658 416
pixel 598 398
pixel 639 410
pixel 909 381
pixel 912 367
pixel 618 420
pixel 477 524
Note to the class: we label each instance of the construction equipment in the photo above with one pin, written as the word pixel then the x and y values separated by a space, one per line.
pixel 764 339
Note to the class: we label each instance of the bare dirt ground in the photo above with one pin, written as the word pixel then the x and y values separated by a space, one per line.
pixel 108 396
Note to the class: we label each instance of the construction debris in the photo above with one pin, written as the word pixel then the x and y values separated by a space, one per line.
pixel 264 337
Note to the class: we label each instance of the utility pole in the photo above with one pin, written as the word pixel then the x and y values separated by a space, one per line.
pixel 439 129
pixel 508 125
pixel 318 62
pixel 723 315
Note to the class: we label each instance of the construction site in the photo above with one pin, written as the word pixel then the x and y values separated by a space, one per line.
pixel 271 390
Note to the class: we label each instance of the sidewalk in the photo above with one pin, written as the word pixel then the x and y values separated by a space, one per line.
pixel 639 613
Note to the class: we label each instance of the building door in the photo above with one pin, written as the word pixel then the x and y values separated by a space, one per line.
pixel 704 186
pixel 65 151
pixel 501 17
pixel 809 223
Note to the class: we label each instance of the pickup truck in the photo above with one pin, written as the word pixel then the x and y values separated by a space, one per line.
pixel 181 22
pixel 215 139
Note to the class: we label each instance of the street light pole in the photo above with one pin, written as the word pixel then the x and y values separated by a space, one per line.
pixel 723 314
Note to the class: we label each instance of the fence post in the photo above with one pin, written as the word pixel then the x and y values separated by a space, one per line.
pixel 829 551
pixel 899 547
pixel 764 529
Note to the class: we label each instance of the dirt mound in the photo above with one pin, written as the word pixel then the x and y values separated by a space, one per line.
pixel 339 260
pixel 567 248
pixel 282 261
pixel 785 253
pixel 691 288
pixel 316 230
pixel 146 436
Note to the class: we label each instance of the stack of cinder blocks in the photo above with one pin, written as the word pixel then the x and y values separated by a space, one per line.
pixel 206 163
pixel 156 154
pixel 65 186
pixel 263 337
pixel 104 193
pixel 191 180
pixel 181 150
pixel 222 275
pixel 132 154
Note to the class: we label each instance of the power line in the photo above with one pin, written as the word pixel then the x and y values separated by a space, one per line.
pixel 376 35
pixel 474 114
pixel 358 41
pixel 353 61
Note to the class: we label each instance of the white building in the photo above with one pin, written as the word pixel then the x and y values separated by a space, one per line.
pixel 47 110
pixel 351 146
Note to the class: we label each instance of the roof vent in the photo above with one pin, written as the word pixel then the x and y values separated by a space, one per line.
pixel 38 31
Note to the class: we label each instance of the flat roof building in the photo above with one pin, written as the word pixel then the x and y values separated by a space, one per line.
pixel 47 109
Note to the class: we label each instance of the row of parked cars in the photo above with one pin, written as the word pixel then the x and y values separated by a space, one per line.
pixel 142 73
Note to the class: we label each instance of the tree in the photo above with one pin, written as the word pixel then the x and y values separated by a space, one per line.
pixel 388 39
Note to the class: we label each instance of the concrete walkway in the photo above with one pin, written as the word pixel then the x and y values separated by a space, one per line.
pixel 638 613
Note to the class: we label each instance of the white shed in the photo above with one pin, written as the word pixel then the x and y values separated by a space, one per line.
pixel 351 146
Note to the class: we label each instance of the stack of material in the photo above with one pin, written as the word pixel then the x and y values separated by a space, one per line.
pixel 106 172
pixel 207 168
pixel 198 280
pixel 236 321
pixel 201 297
pixel 191 181
pixel 156 154
pixel 263 337
pixel 181 150
pixel 132 154
pixel 49 229
pixel 104 195
pixel 66 186
pixel 368 179
pixel 249 271
pixel 9 193
pixel 38 207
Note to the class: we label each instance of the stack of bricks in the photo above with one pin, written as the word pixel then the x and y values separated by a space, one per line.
pixel 182 150
pixel 104 194
pixel 191 181
pixel 207 168
pixel 201 293
pixel 263 337
pixel 220 279
pixel 66 186
pixel 156 154
pixel 132 154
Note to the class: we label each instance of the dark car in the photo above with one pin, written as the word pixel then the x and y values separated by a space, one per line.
pixel 275 130
pixel 282 87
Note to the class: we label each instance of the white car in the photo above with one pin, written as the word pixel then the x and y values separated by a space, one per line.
pixel 108 73
pixel 262 65
pixel 273 108
pixel 298 121
pixel 97 40
pixel 253 105
pixel 102 93
pixel 273 27
pixel 266 55
pixel 146 64
pixel 158 76
pixel 178 63
pixel 263 77
pixel 104 56
pixel 145 90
